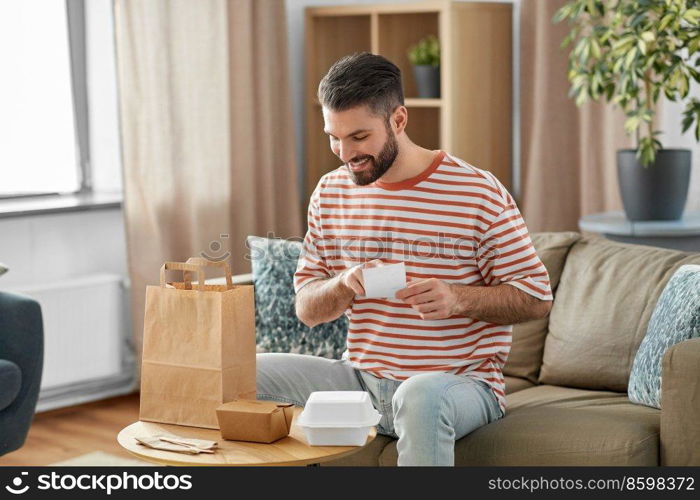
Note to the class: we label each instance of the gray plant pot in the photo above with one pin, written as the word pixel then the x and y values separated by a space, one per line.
pixel 657 192
pixel 427 80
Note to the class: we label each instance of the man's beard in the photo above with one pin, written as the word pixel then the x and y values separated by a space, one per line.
pixel 378 167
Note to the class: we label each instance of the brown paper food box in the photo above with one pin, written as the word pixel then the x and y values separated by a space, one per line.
pixel 252 420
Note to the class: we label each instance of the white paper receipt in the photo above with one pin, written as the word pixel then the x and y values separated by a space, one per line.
pixel 384 281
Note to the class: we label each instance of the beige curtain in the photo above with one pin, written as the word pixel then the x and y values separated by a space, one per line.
pixel 567 153
pixel 207 132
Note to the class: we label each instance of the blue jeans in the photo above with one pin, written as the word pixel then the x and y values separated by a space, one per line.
pixel 426 412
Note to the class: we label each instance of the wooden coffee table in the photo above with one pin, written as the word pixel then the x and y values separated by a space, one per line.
pixel 291 450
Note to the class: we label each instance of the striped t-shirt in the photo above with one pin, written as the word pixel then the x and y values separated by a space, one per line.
pixel 454 222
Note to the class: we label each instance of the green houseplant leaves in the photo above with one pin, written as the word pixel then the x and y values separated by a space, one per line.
pixel 629 51
pixel 426 52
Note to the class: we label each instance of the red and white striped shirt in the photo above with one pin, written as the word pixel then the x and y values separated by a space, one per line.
pixel 454 222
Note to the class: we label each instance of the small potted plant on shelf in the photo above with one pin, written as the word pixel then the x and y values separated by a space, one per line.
pixel 425 58
pixel 629 52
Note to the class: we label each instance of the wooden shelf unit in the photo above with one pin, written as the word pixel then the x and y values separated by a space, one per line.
pixel 472 119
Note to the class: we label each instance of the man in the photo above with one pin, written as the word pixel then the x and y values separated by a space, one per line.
pixel 432 356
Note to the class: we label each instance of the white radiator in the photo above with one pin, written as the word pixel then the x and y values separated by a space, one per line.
pixel 85 327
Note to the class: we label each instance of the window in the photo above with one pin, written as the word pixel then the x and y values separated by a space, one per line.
pixel 42 97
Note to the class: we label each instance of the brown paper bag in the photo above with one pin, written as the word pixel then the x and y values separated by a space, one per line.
pixel 198 347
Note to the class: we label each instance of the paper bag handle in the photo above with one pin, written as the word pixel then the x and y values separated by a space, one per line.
pixel 200 261
pixel 187 269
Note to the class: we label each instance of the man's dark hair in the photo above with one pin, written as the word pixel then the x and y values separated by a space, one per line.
pixel 362 79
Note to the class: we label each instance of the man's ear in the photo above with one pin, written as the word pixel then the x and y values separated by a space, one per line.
pixel 399 119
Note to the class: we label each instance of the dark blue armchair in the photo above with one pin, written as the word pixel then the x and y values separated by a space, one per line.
pixel 21 364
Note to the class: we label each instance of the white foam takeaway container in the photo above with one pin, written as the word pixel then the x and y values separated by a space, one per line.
pixel 338 418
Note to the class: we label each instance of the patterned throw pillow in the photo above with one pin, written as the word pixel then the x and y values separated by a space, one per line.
pixel 676 318
pixel 277 327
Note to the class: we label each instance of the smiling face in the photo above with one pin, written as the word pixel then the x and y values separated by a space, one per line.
pixel 364 142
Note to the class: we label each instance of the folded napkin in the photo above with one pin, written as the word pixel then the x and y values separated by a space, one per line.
pixel 171 442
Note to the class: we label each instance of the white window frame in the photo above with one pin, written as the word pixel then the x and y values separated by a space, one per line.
pixel 75 10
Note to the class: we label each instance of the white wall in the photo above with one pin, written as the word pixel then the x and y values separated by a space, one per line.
pixel 42 249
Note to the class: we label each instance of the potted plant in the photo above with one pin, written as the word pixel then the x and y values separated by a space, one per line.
pixel 425 58
pixel 630 51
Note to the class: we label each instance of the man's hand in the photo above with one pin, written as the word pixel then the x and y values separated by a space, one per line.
pixel 352 277
pixel 502 304
pixel 326 299
pixel 432 298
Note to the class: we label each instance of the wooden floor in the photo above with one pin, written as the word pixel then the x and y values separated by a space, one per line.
pixel 70 432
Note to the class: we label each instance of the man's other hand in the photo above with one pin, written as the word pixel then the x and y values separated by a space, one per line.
pixel 432 298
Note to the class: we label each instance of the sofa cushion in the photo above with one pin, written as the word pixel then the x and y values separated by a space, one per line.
pixel 680 404
pixel 525 356
pixel 605 298
pixel 276 324
pixel 676 318
pixel 517 384
pixel 550 426
pixel 10 382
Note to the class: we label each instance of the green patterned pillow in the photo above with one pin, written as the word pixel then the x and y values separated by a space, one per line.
pixel 277 327
pixel 676 318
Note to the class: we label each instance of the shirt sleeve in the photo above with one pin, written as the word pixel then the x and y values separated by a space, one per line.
pixel 311 265
pixel 506 255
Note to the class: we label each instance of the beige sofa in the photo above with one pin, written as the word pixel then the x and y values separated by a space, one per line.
pixel 566 377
